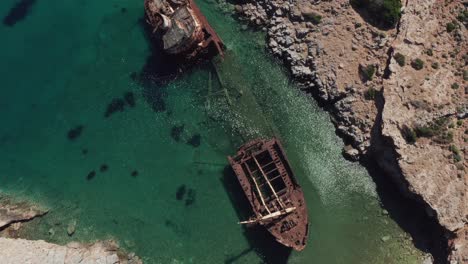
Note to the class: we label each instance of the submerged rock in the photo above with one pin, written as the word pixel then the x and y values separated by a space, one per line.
pixel 18 12
pixel 134 76
pixel 91 175
pixel 180 193
pixel 385 238
pixel 12 211
pixel 195 140
pixel 134 174
pixel 176 132
pixel 130 99
pixel 75 132
pixel 190 197
pixel 71 228
pixel 116 105
pixel 103 168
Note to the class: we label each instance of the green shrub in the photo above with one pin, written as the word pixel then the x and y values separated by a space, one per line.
pixel 315 18
pixel 445 137
pixel 417 64
pixel 391 12
pixel 387 13
pixel 465 75
pixel 450 27
pixel 437 128
pixel 455 86
pixel 430 52
pixel 456 153
pixel 409 135
pixel 435 65
pixel 370 94
pixel 357 25
pixel 368 72
pixel 400 59
pixel 463 16
pixel 459 122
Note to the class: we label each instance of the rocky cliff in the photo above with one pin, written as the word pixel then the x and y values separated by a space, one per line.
pixel 13 213
pixel 397 96
pixel 27 251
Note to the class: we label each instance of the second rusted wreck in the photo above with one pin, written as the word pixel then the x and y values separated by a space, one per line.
pixel 181 29
pixel 276 199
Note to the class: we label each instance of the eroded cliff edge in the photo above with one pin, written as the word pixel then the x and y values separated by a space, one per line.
pixel 14 213
pixel 397 96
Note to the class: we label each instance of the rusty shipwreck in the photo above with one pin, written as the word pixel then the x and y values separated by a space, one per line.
pixel 275 197
pixel 181 29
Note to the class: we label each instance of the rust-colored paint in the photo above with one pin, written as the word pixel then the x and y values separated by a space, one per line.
pixel 261 166
pixel 202 41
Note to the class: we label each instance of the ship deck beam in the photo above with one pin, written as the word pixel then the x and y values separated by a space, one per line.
pixel 268 181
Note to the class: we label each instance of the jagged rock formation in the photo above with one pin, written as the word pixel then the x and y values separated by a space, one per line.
pixel 13 213
pixel 27 251
pixel 416 98
pixel 409 118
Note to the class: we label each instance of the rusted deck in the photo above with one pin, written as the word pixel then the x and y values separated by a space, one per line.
pixel 276 199
pixel 181 29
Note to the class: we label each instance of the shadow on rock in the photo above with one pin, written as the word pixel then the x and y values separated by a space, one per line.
pixel 408 211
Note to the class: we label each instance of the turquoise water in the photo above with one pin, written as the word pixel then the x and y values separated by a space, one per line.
pixel 67 60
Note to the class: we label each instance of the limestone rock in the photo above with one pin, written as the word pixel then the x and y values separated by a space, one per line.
pixel 12 211
pixel 39 252
pixel 71 228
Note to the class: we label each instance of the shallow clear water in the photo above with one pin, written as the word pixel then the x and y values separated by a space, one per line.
pixel 67 60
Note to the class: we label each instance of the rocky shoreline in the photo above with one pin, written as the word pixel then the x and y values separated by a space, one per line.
pixel 14 213
pixel 397 97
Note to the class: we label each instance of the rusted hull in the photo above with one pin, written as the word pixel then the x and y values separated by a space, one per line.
pixel 276 199
pixel 182 29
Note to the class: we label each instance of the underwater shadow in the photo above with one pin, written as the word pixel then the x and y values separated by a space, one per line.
pixel 160 69
pixel 260 240
pixel 18 12
pixel 408 212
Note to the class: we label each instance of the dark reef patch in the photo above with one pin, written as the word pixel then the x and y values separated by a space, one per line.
pixel 134 174
pixel 130 99
pixel 154 96
pixel 159 70
pixel 103 168
pixel 91 175
pixel 84 151
pixel 123 10
pixel 180 193
pixel 134 76
pixel 195 141
pixel 176 132
pixel 174 227
pixel 18 12
pixel 116 105
pixel 75 132
pixel 190 197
